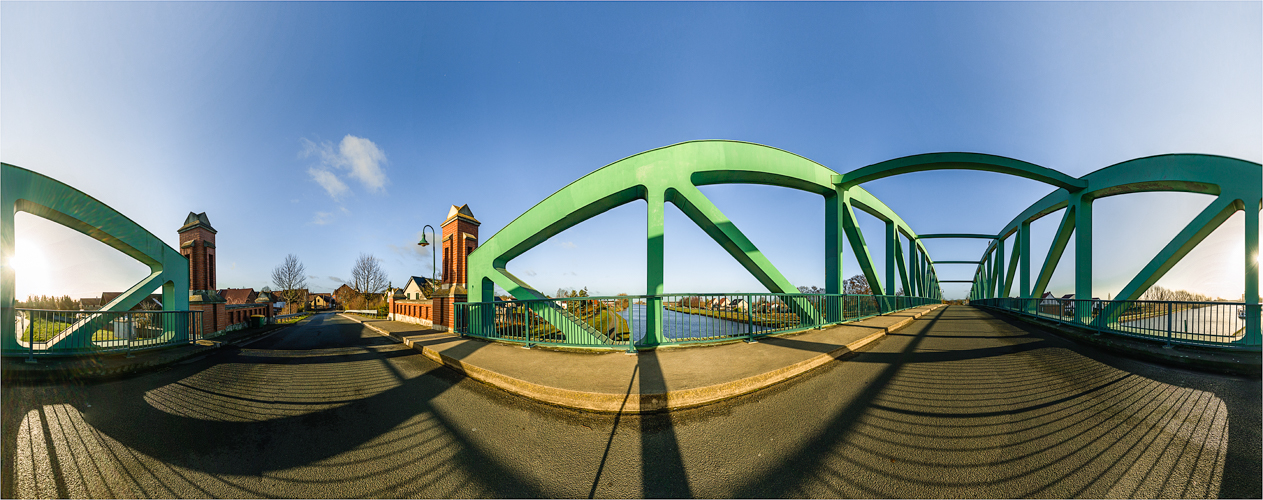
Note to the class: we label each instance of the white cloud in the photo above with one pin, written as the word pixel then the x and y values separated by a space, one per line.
pixel 365 161
pixel 358 157
pixel 322 218
pixel 566 244
pixel 330 182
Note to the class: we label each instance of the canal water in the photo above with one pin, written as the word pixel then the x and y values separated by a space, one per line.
pixel 677 326
pixel 1212 323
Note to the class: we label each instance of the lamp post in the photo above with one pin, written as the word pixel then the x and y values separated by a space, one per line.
pixel 423 243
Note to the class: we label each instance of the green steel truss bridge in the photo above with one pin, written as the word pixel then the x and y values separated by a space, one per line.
pixel 112 327
pixel 673 174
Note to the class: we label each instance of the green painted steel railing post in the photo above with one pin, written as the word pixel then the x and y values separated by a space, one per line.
pixel 1170 318
pixel 30 339
pixel 749 320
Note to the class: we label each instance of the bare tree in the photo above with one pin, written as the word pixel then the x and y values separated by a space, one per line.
pixel 857 285
pixel 367 277
pixel 1159 293
pixel 291 279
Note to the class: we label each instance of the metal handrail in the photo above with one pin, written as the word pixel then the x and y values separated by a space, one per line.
pixel 52 332
pixel 1200 323
pixel 624 321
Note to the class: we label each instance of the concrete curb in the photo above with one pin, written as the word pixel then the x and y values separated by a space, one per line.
pixel 635 402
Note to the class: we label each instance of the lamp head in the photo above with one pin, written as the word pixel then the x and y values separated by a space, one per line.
pixel 423 242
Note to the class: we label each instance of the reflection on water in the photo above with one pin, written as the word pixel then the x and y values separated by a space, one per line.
pixel 681 326
pixel 1210 323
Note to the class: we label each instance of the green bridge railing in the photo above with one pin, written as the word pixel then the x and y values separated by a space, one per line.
pixel 47 332
pixel 1208 324
pixel 633 322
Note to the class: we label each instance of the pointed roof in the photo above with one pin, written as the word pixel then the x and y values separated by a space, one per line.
pixel 195 220
pixel 462 212
pixel 420 281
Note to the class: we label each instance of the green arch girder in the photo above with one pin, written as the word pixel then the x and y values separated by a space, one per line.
pixel 959 235
pixel 672 174
pixel 961 161
pixel 22 190
pixel 1236 185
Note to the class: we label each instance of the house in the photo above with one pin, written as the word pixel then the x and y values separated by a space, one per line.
pixel 738 304
pixel 1048 299
pixel 90 303
pixel 279 299
pixel 415 289
pixel 152 302
pixel 693 302
pixel 239 295
pixel 320 300
pixel 345 295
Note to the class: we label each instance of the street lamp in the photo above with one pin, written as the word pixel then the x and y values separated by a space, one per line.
pixel 423 243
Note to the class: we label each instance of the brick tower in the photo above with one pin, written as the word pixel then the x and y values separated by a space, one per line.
pixel 197 243
pixel 460 237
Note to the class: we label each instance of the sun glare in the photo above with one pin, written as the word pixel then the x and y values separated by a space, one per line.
pixel 30 270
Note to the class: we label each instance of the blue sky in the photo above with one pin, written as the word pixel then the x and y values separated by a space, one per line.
pixel 331 129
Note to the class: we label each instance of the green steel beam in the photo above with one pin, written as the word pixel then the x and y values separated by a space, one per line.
pixel 834 241
pixel 1193 233
pixel 892 234
pixel 1013 261
pixel 675 171
pixel 22 190
pixel 957 262
pixel 903 268
pixel 856 238
pixel 999 268
pixel 1062 238
pixel 961 161
pixel 958 235
pixel 672 174
pixel 1024 237
pixel 1082 203
pixel 1228 179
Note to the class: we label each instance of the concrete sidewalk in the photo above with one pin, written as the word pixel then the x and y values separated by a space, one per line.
pixel 667 378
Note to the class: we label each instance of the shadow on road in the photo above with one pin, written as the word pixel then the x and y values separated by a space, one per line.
pixel 961 403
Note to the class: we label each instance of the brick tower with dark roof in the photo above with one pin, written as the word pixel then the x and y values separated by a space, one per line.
pixel 197 243
pixel 460 238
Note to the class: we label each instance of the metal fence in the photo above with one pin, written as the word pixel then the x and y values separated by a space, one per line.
pixel 45 332
pixel 1214 324
pixel 625 322
pixel 368 313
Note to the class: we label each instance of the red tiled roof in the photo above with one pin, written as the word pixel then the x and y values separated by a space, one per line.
pixel 238 295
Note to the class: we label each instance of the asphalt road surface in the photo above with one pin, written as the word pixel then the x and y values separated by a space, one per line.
pixel 960 404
